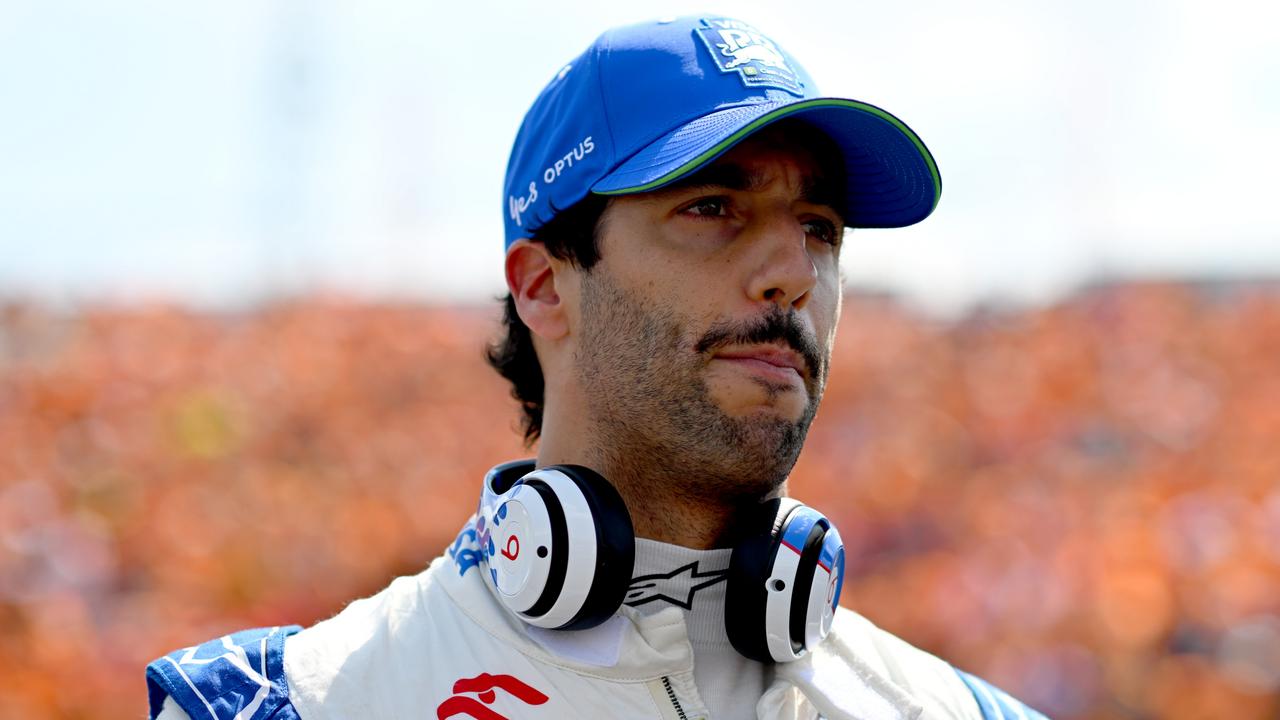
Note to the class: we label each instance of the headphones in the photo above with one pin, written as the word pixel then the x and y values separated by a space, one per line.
pixel 558 548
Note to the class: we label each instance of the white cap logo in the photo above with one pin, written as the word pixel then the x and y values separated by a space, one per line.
pixel 738 47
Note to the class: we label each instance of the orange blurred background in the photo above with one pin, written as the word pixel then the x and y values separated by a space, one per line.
pixel 1080 503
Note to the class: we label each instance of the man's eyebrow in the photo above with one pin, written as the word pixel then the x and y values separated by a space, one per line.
pixel 729 176
pixel 816 189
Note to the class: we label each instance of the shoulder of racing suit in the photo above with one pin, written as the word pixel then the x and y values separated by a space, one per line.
pixel 235 676
pixel 439 639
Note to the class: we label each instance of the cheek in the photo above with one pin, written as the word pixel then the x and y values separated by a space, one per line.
pixel 828 296
pixel 691 301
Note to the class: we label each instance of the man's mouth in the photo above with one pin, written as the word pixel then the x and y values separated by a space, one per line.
pixel 776 345
pixel 774 361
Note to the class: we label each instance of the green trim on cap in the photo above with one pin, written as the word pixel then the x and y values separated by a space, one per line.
pixel 782 112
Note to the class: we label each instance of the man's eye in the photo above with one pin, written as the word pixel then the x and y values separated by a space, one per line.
pixel 708 207
pixel 824 230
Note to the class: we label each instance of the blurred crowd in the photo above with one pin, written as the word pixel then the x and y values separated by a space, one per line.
pixel 1080 503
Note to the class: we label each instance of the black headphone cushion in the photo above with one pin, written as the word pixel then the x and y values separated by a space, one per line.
pixel 615 547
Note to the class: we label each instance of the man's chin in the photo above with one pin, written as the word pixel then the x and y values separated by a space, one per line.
pixel 756 404
pixel 770 435
pixel 763 440
pixel 770 425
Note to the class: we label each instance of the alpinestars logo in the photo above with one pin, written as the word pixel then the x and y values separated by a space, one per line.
pixel 676 587
pixel 738 47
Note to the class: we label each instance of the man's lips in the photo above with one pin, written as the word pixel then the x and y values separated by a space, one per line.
pixel 768 359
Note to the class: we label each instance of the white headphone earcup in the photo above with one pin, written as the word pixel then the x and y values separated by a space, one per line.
pixel 784 583
pixel 561 548
pixel 528 524
pixel 615 551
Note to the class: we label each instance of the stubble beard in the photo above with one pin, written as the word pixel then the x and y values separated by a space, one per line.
pixel 656 425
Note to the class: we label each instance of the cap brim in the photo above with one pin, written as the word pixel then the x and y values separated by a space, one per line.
pixel 892 180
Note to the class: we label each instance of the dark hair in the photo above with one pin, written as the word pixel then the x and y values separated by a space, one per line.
pixel 571 235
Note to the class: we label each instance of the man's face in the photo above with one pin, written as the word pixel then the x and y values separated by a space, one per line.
pixel 707 325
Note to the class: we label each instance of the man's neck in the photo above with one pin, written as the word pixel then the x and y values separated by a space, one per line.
pixel 662 504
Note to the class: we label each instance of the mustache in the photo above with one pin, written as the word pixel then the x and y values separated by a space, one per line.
pixel 776 326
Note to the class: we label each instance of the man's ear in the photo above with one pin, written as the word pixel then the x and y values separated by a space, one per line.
pixel 531 277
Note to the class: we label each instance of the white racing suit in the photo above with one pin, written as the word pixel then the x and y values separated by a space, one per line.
pixel 440 642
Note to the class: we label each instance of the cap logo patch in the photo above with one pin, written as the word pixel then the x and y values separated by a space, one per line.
pixel 738 47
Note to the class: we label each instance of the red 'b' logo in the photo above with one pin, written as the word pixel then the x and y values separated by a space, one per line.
pixel 507 552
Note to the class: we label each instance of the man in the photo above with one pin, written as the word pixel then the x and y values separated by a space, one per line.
pixel 676 201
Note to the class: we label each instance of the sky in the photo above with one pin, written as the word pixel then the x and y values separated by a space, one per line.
pixel 222 154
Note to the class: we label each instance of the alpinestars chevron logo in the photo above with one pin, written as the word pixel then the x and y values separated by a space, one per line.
pixel 676 587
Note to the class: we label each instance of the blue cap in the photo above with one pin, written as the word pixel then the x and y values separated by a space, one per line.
pixel 648 104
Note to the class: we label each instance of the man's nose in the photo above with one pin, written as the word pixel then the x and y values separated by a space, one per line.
pixel 784 272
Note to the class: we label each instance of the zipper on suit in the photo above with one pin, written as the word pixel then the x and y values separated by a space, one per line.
pixel 671 695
